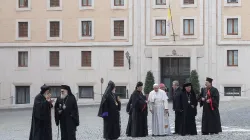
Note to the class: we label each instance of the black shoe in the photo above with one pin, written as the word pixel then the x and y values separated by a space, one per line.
pixel 204 133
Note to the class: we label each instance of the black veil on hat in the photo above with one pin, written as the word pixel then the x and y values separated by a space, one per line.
pixel 110 87
pixel 210 80
pixel 66 87
pixel 44 88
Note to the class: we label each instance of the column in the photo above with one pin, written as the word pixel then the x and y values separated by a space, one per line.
pixel 156 65
pixel 193 59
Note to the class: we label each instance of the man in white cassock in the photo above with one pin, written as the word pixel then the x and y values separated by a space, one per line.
pixel 158 105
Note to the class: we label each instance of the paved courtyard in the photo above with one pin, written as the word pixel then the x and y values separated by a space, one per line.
pixel 235 116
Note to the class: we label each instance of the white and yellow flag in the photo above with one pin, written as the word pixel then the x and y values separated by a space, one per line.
pixel 169 18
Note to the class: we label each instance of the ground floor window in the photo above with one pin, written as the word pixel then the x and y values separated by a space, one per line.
pixel 232 91
pixel 55 91
pixel 86 92
pixel 22 94
pixel 121 91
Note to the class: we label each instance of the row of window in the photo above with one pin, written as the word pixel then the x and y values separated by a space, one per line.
pixel 87 28
pixel 88 4
pixel 22 94
pixel 86 59
pixel 54 30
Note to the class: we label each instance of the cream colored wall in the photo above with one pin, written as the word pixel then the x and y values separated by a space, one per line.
pixel 241 11
pixel 102 14
pixel 177 12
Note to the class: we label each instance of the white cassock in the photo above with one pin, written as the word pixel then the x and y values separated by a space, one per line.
pixel 158 102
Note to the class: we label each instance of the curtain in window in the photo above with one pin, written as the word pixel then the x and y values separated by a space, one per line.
pixel 160 2
pixel 122 2
pixel 235 58
pixel 163 31
pixel 191 25
pixel 235 25
pixel 158 27
pixel 55 91
pixel 86 92
pixel 229 26
pixel 230 58
pixel 186 27
pixel 86 28
pixel 23 3
pixel 22 95
pixel 86 2
pixel 23 59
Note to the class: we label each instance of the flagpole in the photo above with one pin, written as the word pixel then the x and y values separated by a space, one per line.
pixel 172 21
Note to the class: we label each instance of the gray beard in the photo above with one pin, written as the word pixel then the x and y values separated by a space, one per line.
pixel 63 96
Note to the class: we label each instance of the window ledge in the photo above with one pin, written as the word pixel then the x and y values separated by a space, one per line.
pixel 160 37
pixel 23 9
pixel 85 68
pixel 23 38
pixel 118 68
pixel 86 7
pixel 87 37
pixel 232 68
pixel 22 69
pixel 232 36
pixel 54 38
pixel 118 38
pixel 159 6
pixel 188 36
pixel 54 68
pixel 119 7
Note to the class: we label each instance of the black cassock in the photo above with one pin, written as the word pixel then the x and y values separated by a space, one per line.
pixel 41 119
pixel 129 111
pixel 139 113
pixel 110 112
pixel 189 106
pixel 69 117
pixel 177 108
pixel 211 117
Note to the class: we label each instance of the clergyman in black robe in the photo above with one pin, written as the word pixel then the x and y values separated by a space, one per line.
pixel 110 112
pixel 129 111
pixel 177 106
pixel 66 114
pixel 189 106
pixel 41 116
pixel 209 99
pixel 139 113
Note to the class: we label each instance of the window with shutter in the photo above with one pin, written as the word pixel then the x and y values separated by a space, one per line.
pixel 54 29
pixel 54 59
pixel 22 29
pixel 22 94
pixel 119 2
pixel 23 3
pixel 188 1
pixel 86 28
pixel 188 26
pixel 118 58
pixel 119 28
pixel 54 3
pixel 86 58
pixel 23 59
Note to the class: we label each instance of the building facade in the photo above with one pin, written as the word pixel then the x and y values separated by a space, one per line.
pixel 80 42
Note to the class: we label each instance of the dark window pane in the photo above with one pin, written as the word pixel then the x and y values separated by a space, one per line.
pixel 22 94
pixel 86 92
pixel 121 91
pixel 55 91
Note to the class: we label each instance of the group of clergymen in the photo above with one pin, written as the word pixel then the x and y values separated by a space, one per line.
pixel 184 105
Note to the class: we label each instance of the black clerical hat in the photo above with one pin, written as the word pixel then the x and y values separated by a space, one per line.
pixel 139 84
pixel 210 80
pixel 44 88
pixel 187 84
pixel 66 87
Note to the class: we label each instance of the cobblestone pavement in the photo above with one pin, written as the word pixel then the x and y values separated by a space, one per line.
pixel 235 116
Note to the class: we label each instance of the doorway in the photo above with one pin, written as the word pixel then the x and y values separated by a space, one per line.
pixel 174 68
